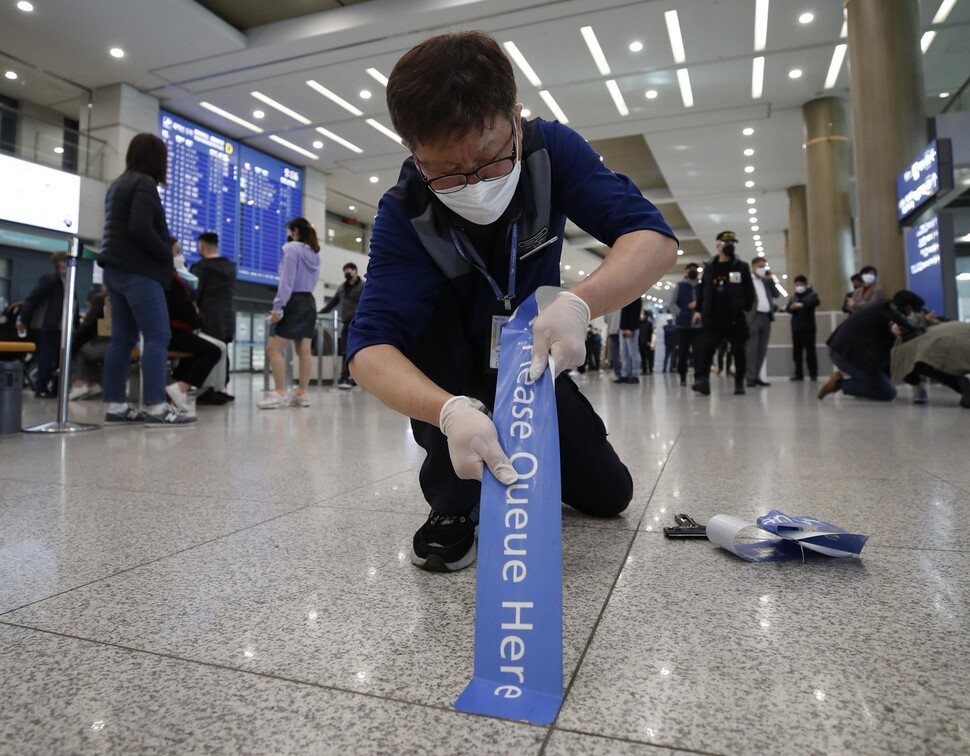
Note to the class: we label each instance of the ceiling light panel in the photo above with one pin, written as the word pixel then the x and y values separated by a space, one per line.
pixel 758 77
pixel 835 67
pixel 333 97
pixel 589 37
pixel 686 94
pixel 296 148
pixel 377 76
pixel 617 96
pixel 384 130
pixel 760 25
pixel 943 11
pixel 676 38
pixel 551 103
pixel 339 140
pixel 266 100
pixel 522 63
pixel 231 117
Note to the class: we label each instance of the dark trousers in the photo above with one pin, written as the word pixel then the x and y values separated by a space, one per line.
pixel 48 355
pixel 646 359
pixel 205 355
pixel 686 348
pixel 342 349
pixel 866 384
pixel 922 370
pixel 712 335
pixel 803 343
pixel 594 480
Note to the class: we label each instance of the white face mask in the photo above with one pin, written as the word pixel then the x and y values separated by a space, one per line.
pixel 868 279
pixel 484 202
pixel 800 289
pixel 761 272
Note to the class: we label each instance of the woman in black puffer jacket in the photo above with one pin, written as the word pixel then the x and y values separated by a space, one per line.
pixel 137 259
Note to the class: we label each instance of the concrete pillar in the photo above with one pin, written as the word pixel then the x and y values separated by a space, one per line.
pixel 828 200
pixel 889 115
pixel 117 113
pixel 796 237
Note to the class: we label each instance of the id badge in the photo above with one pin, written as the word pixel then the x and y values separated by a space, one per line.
pixel 734 276
pixel 498 323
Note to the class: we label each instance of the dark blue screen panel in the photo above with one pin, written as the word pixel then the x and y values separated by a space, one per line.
pixel 202 193
pixel 271 193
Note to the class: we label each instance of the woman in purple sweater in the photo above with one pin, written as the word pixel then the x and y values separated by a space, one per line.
pixel 294 313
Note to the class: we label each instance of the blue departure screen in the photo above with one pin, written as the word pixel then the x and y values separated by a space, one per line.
pixel 202 193
pixel 271 193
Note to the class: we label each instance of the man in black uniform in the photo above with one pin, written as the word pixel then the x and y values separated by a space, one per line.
pixel 724 295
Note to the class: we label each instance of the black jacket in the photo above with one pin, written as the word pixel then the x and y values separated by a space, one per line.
pixel 630 316
pixel 135 233
pixel 864 338
pixel 215 294
pixel 347 296
pixel 803 319
pixel 740 292
pixel 48 296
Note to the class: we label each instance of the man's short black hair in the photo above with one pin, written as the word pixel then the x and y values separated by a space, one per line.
pixel 690 266
pixel 352 266
pixel 868 269
pixel 856 277
pixel 209 237
pixel 801 279
pixel 905 298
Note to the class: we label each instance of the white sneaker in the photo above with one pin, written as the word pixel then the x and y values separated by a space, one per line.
pixel 274 401
pixel 299 400
pixel 178 398
pixel 78 392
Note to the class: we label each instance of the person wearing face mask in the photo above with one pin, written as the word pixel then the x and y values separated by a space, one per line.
pixel 474 226
pixel 802 305
pixel 685 299
pixel 868 293
pixel 346 297
pixel 46 301
pixel 724 296
pixel 760 318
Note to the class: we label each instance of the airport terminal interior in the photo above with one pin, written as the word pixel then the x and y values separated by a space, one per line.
pixel 244 584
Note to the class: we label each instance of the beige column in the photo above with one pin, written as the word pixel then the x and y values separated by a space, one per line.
pixel 828 200
pixel 796 237
pixel 887 90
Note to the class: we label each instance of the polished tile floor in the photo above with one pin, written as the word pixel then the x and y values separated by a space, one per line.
pixel 244 586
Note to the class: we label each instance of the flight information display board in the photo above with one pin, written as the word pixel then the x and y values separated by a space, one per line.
pixel 202 193
pixel 271 193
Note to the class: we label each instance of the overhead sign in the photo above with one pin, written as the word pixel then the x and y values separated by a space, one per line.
pixel 924 263
pixel 930 173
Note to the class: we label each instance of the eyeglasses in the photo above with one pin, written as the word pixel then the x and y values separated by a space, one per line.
pixel 454 182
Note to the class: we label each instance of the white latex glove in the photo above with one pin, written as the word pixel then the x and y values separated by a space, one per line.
pixel 473 441
pixel 559 330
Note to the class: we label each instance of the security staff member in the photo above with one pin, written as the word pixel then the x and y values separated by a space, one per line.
pixel 724 296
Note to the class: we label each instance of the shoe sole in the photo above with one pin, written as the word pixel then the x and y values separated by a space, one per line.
pixel 434 563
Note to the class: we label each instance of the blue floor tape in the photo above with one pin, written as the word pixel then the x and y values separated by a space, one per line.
pixel 518 608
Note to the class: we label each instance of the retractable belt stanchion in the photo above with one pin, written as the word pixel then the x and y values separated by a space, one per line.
pixel 266 331
pixel 62 424
pixel 318 336
pixel 335 333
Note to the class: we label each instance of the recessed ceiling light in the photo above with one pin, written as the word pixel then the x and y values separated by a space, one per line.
pixel 749 152
pixel 751 200
pixel 749 169
pixel 752 210
pixel 351 207
pixel 117 52
pixel 567 267
pixel 25 6
pixel 59 150
pixel 761 254
pixel 749 184
pixel 795 73
pixel 374 179
pixel 683 78
pixel 582 272
pixel 838 55
pixel 589 36
pixel 748 131
pixel 365 94
pixel 760 25
pixel 652 94
pixel 258 114
pixel 11 75
pixel 318 145
pixel 636 46
pixel 944 95
pixel 526 112
pixel 756 237
pixel 806 18
pixel 755 228
pixel 752 220
pixel 784 276
pixel 757 77
pixel 680 252
pixel 358 240
pixel 676 38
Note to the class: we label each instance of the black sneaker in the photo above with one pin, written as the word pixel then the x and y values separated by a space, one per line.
pixel 702 386
pixel 169 417
pixel 445 543
pixel 965 391
pixel 130 416
pixel 212 397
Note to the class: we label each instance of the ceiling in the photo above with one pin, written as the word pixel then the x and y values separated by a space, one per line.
pixel 690 161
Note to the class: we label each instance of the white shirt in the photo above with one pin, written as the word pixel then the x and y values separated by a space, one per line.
pixel 764 305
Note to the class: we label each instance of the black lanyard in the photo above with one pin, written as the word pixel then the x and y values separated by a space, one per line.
pixel 476 262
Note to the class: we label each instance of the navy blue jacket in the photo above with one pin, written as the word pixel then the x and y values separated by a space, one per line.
pixel 803 319
pixel 414 257
pixel 686 293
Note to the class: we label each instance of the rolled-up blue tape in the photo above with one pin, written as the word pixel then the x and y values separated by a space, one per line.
pixel 518 608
